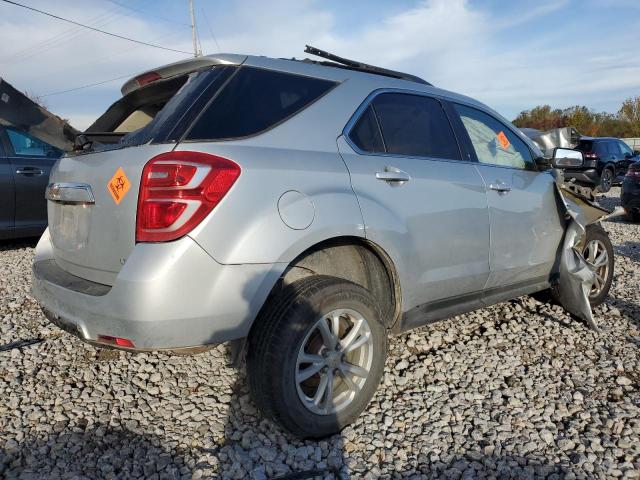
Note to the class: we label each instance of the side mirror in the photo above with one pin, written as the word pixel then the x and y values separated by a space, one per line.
pixel 636 153
pixel 567 158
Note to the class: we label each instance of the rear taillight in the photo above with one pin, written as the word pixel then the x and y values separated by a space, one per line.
pixel 178 190
pixel 590 159
pixel 633 173
pixel 147 78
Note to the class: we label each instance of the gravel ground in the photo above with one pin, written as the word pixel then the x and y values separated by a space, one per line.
pixel 518 390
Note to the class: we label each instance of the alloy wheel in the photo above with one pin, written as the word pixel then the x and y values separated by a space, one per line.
pixel 334 361
pixel 595 253
pixel 607 180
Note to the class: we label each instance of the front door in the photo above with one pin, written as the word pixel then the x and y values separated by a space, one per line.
pixel 526 227
pixel 420 202
pixel 31 161
pixel 627 158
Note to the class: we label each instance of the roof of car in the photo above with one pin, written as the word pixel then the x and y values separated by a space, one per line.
pixel 327 70
pixel 338 73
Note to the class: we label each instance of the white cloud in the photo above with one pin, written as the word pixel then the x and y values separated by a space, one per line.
pixel 452 43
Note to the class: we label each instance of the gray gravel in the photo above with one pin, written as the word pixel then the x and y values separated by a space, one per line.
pixel 518 390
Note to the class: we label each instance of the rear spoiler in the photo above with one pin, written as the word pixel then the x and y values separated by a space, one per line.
pixel 180 68
pixel 20 112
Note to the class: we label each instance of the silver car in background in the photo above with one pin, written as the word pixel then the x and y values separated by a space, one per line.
pixel 304 210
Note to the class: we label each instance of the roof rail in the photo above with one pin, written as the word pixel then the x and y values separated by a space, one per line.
pixel 363 67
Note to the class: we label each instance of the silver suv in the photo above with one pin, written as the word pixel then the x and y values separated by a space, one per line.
pixel 304 210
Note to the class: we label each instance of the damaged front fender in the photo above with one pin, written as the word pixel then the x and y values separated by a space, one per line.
pixel 576 276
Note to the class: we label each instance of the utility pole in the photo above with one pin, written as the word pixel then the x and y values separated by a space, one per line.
pixel 194 32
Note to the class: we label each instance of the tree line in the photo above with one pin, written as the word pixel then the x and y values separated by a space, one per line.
pixel 624 124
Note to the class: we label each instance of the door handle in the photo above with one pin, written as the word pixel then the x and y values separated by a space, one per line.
pixel 391 174
pixel 29 171
pixel 500 187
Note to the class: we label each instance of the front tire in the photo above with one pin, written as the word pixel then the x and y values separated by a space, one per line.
pixel 598 252
pixel 316 355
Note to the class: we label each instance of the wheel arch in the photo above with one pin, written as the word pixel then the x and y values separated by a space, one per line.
pixel 356 259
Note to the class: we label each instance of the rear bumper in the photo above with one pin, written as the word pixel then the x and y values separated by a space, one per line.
pixel 590 176
pixel 167 296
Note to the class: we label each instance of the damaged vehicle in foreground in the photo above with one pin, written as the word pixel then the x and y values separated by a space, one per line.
pixel 304 210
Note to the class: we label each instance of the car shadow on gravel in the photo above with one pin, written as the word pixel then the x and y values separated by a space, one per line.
pixel 626 307
pixel 18 244
pixel 629 249
pixel 98 451
pixel 474 464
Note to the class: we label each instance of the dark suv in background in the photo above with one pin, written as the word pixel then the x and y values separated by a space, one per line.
pixel 606 161
pixel 25 163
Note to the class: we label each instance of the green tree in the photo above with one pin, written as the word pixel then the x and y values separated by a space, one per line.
pixel 626 123
pixel 630 113
pixel 542 118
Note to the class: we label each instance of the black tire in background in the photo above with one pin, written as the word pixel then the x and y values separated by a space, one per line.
pixel 633 215
pixel 274 345
pixel 606 180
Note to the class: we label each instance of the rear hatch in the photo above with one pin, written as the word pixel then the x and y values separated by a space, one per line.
pixel 177 190
pixel 92 240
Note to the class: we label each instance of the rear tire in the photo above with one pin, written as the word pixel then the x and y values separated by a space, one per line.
pixel 297 325
pixel 606 180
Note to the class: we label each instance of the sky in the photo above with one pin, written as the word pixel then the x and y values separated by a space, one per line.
pixel 511 55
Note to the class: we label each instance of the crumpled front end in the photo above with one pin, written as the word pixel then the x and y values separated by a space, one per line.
pixel 575 275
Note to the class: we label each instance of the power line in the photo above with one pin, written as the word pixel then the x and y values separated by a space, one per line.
pixel 92 28
pixel 147 13
pixel 208 24
pixel 72 33
pixel 86 86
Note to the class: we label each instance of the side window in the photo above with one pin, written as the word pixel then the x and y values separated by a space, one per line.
pixel 613 148
pixel 415 125
pixel 602 148
pixel 254 100
pixel 626 149
pixel 492 141
pixel 366 133
pixel 24 144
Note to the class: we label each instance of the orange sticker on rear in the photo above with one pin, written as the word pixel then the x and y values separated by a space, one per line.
pixel 504 141
pixel 118 186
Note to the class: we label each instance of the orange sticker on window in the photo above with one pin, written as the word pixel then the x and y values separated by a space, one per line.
pixel 118 186
pixel 504 141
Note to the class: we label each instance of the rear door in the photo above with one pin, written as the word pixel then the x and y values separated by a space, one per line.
pixel 419 200
pixel 525 224
pixel 6 192
pixel 31 161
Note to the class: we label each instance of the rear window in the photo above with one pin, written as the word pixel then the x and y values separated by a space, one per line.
pixel 158 112
pixel 137 109
pixel 366 133
pixel 585 146
pixel 254 100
